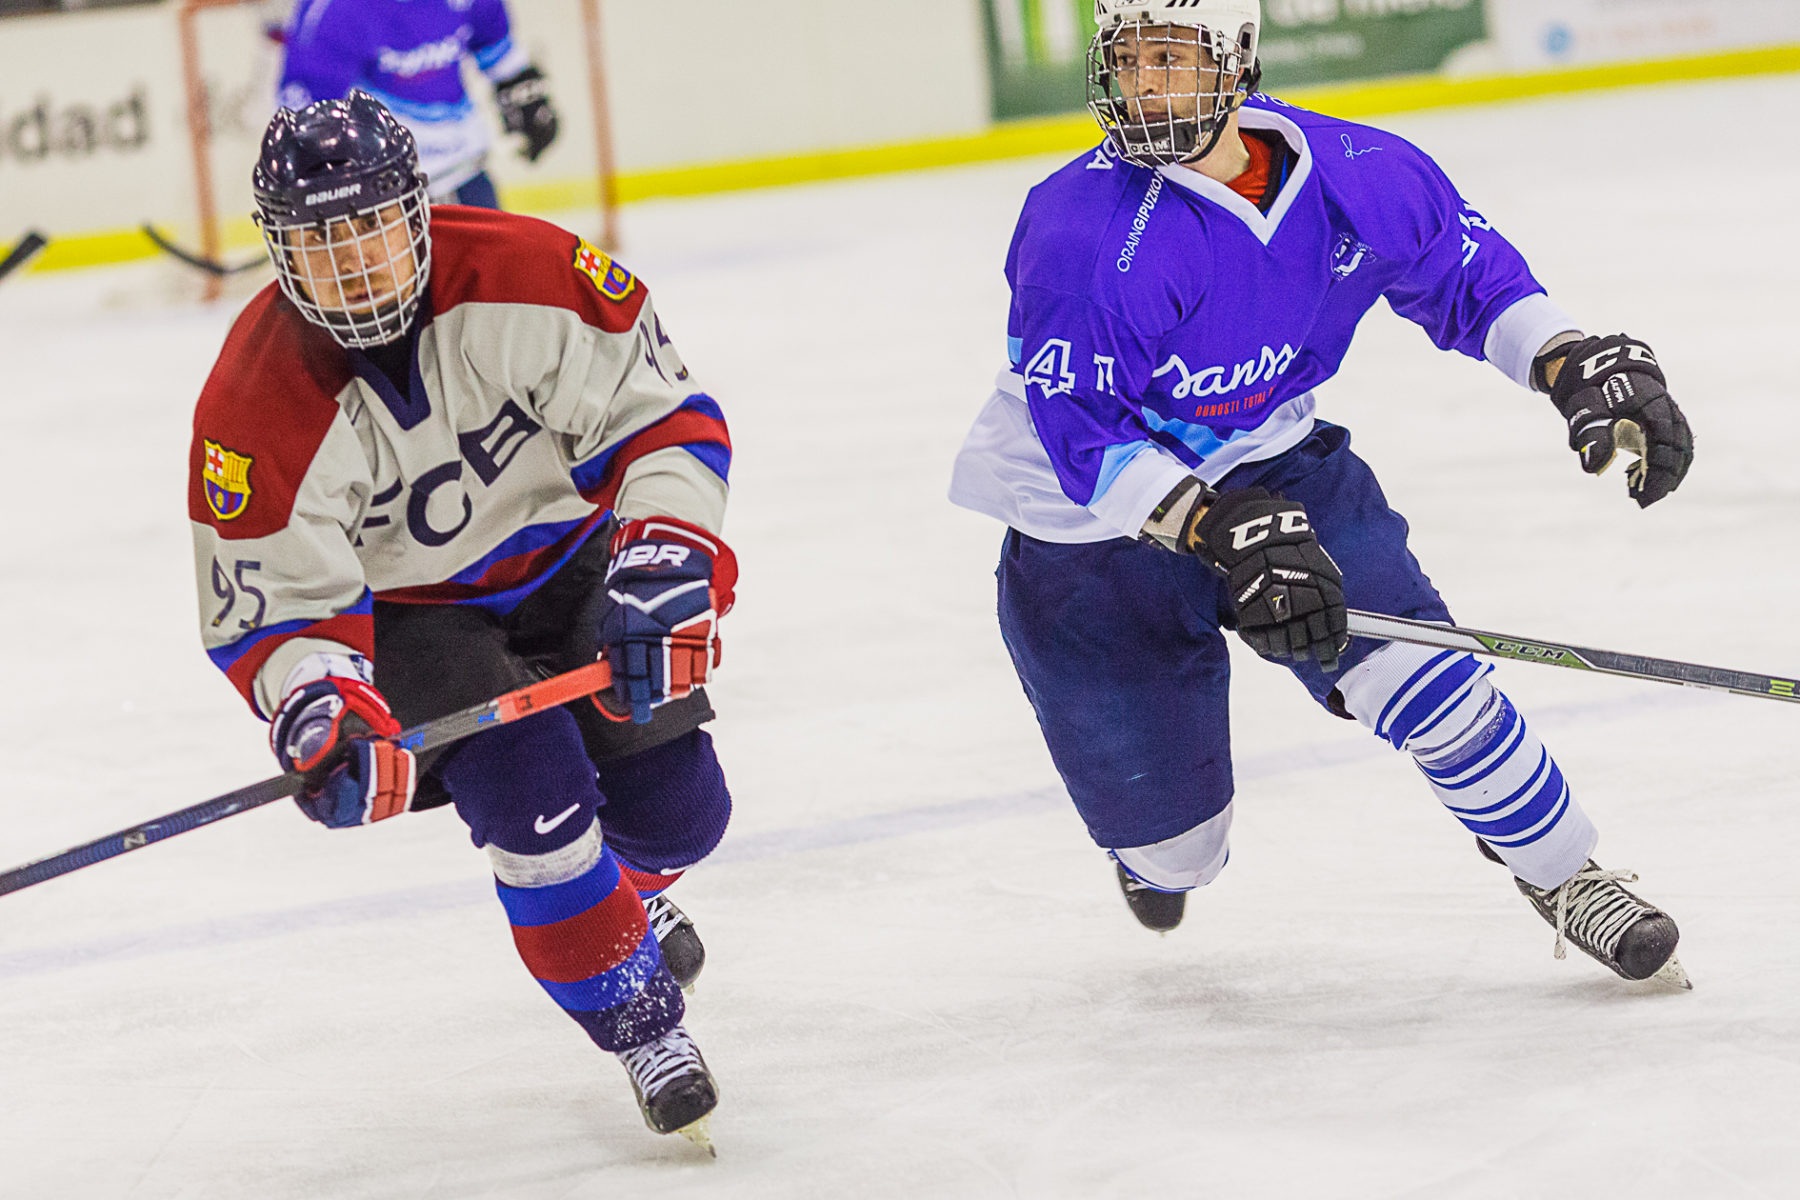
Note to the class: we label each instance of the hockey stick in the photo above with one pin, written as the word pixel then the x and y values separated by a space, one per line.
pixel 22 253
pixel 1605 662
pixel 213 267
pixel 503 710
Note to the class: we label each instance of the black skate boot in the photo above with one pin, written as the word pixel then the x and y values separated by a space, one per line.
pixel 1607 923
pixel 682 952
pixel 1156 910
pixel 674 1088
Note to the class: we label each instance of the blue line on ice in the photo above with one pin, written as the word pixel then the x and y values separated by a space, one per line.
pixel 758 847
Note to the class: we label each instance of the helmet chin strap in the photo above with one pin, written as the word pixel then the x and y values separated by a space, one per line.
pixel 1222 122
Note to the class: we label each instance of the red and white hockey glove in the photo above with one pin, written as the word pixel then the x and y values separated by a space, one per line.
pixel 335 729
pixel 667 586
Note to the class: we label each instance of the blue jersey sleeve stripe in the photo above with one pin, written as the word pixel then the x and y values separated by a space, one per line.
pixel 589 474
pixel 1113 461
pixel 227 656
pixel 489 55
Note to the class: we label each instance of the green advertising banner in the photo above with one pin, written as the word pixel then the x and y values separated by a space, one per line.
pixel 1326 41
pixel 1037 55
pixel 1037 49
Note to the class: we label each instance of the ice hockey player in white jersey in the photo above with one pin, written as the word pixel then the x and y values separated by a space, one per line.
pixel 451 452
pixel 409 55
pixel 1178 294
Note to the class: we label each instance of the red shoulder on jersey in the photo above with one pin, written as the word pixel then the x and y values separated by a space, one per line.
pixel 266 407
pixel 484 257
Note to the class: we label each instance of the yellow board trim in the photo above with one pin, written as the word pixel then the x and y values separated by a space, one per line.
pixel 1018 139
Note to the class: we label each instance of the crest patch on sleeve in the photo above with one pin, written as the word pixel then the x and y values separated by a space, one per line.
pixel 225 477
pixel 609 278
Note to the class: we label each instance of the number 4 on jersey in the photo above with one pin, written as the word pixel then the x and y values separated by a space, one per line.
pixel 1049 369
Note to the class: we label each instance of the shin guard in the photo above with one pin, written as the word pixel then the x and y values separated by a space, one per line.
pixel 1477 753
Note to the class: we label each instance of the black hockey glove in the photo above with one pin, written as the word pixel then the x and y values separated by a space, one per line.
pixel 1614 397
pixel 525 108
pixel 1286 591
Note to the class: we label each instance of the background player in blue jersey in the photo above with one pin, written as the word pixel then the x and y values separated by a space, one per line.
pixel 1177 296
pixel 409 55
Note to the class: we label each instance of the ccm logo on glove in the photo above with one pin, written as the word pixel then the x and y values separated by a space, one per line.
pixel 1251 532
pixel 1635 352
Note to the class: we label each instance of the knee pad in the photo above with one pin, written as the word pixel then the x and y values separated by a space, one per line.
pixel 527 788
pixel 1185 861
pixel 665 808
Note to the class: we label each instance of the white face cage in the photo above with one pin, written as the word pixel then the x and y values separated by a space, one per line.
pixel 359 277
pixel 1164 92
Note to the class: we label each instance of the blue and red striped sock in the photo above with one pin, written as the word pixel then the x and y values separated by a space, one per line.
pixel 580 928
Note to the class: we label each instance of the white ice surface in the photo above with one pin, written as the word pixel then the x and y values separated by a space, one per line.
pixel 922 982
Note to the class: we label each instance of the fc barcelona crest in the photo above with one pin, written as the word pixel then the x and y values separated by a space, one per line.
pixel 613 281
pixel 225 477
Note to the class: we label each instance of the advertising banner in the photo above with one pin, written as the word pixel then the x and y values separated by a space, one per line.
pixel 1037 55
pixel 1537 34
pixel 1325 41
pixel 1037 49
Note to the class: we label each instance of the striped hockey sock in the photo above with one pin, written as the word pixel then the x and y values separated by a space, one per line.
pixel 649 884
pixel 1478 755
pixel 581 930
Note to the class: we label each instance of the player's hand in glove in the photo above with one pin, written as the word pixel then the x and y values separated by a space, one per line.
pixel 1613 395
pixel 1286 591
pixel 668 584
pixel 525 108
pixel 334 730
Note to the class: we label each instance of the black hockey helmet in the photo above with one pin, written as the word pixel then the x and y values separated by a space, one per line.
pixel 343 210
pixel 332 159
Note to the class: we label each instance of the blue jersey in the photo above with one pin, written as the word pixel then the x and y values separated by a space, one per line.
pixel 1162 325
pixel 408 54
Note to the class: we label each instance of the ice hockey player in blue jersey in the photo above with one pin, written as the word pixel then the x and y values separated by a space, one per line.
pixel 1178 296
pixel 409 55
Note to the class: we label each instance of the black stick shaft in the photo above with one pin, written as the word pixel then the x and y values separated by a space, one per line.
pixel 218 270
pixel 24 252
pixel 503 710
pixel 1580 658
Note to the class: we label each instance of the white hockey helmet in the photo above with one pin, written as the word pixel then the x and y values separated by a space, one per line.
pixel 1164 76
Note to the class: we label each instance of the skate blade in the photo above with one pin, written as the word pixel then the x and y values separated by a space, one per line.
pixel 1674 974
pixel 700 1133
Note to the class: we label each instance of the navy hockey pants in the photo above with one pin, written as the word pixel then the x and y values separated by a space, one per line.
pixel 1119 646
pixel 661 796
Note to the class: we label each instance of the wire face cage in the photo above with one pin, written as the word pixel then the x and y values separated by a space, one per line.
pixel 361 276
pixel 1164 92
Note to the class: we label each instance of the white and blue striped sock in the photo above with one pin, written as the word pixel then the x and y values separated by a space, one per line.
pixel 1477 753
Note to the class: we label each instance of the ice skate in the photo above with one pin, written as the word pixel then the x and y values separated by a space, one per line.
pixel 682 951
pixel 1608 923
pixel 1156 910
pixel 675 1090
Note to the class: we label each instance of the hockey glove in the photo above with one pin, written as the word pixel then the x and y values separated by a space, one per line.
pixel 525 108
pixel 335 729
pixel 1613 395
pixel 667 586
pixel 1287 593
